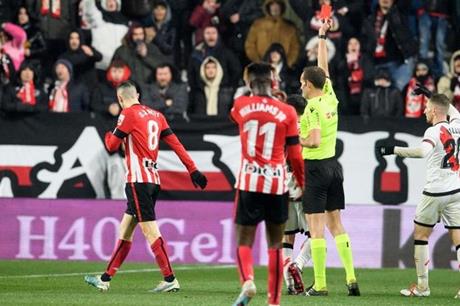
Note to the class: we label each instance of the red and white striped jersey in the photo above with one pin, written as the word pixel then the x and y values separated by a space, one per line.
pixel 266 126
pixel 141 129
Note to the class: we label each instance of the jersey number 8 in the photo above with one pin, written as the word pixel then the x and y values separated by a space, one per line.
pixel 152 130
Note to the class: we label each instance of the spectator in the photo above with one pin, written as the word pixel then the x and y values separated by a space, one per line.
pixel 212 98
pixel 104 97
pixel 273 28
pixel 450 83
pixel 434 15
pixel 142 58
pixel 415 104
pixel 382 100
pixel 7 71
pixel 67 95
pixel 212 46
pixel 108 26
pixel 204 15
pixel 387 37
pixel 311 55
pixel 35 46
pixel 167 94
pixel 57 18
pixel 181 11
pixel 159 29
pixel 357 72
pixel 26 95
pixel 12 39
pixel 240 15
pixel 82 57
pixel 276 56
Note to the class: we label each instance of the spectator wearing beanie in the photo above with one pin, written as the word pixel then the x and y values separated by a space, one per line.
pixel 383 100
pixel 67 95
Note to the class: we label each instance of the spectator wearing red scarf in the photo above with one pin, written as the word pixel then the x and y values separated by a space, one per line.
pixel 26 94
pixel 415 104
pixel 104 97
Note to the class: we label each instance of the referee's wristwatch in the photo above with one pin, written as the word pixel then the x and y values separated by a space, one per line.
pixel 322 36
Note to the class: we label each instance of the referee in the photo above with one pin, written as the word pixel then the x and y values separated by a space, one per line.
pixel 324 196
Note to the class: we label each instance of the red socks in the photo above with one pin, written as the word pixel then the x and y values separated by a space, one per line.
pixel 245 263
pixel 161 256
pixel 275 275
pixel 118 256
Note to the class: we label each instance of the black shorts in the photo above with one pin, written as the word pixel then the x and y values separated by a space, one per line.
pixel 254 207
pixel 142 198
pixel 323 186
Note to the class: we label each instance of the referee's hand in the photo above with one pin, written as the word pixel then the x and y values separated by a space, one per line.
pixel 198 179
pixel 385 150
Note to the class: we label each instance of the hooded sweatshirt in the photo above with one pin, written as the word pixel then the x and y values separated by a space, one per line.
pixel 211 87
pixel 450 83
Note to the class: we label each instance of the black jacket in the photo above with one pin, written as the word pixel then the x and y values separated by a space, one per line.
pixel 382 102
pixel 177 92
pixel 228 60
pixel 78 96
pixel 35 40
pixel 398 32
pixel 224 104
pixel 102 96
pixel 11 103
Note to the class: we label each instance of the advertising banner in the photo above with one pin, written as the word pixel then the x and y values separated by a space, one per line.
pixel 53 156
pixel 197 232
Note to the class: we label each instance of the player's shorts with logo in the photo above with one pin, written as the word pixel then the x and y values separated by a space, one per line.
pixel 443 207
pixel 296 222
pixel 254 207
pixel 142 198
pixel 323 186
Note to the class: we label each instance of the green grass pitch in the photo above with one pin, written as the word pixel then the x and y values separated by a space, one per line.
pixel 57 283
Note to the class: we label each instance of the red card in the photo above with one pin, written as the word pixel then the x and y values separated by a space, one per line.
pixel 326 12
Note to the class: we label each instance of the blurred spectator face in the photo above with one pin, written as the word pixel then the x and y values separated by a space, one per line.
pixel 211 36
pixel 163 76
pixel 210 70
pixel 159 13
pixel 111 5
pixel 421 70
pixel 27 75
pixel 274 9
pixel 321 2
pixel 386 4
pixel 138 34
pixel 354 45
pixel 275 57
pixel 23 17
pixel 74 41
pixel 117 73
pixel 62 73
pixel 457 66
pixel 150 33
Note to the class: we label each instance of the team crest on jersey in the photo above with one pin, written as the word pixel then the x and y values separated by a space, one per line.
pixel 120 119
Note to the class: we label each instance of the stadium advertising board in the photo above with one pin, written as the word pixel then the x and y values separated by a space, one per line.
pixel 196 232
pixel 62 156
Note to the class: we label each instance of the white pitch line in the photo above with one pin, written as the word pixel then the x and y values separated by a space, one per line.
pixel 119 272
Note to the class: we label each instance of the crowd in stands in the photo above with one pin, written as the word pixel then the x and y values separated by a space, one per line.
pixel 187 56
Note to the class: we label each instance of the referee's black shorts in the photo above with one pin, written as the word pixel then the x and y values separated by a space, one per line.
pixel 323 186
pixel 142 198
pixel 255 207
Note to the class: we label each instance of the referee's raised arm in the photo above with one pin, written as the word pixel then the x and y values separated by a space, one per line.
pixel 322 48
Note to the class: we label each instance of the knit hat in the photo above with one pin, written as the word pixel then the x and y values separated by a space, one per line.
pixel 66 63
